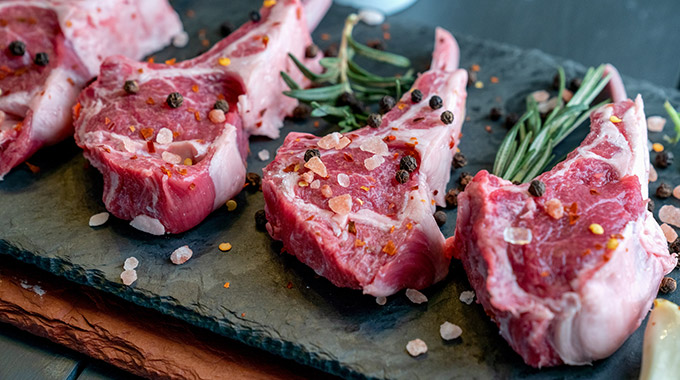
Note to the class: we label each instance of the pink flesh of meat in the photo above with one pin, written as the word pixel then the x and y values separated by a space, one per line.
pixel 384 212
pixel 36 101
pixel 566 297
pixel 166 197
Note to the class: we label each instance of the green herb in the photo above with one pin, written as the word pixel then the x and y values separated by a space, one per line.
pixel 343 75
pixel 528 147
pixel 673 114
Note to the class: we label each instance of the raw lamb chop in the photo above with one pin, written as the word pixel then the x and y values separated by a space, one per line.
pixel 568 275
pixel 344 213
pixel 168 156
pixel 52 48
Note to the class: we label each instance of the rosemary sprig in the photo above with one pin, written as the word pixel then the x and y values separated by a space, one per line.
pixel 528 147
pixel 673 114
pixel 343 75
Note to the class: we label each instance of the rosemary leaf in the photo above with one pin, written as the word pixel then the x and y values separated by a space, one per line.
pixel 329 93
pixel 378 55
pixel 673 114
pixel 289 81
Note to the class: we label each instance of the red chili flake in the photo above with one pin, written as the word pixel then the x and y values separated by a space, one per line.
pixel 392 229
pixel 348 157
pixel 192 186
pixel 220 97
pixel 18 126
pixel 76 110
pixel 351 227
pixel 409 226
pixel 150 101
pixel 182 171
pixel 34 169
pixel 133 157
pixel 197 116
pixel 617 236
pixel 452 143
pixel 265 40
pixel 414 187
pixel 20 71
pixel 396 155
pixel 69 24
pixel 151 59
pixel 387 36
pixel 146 133
pixel 418 119
pixel 107 121
pixel 166 171
pixel 258 124
pixel 494 79
pixel 359 243
pixel 594 192
pixel 289 285
pixel 598 246
pixel 310 218
pixel 586 252
pixel 572 211
pixel 390 248
pixel 194 88
pixel 475 67
pixel 171 61
pixel 325 36
pixel 175 134
pixel 389 138
pixel 205 42
pixel 316 124
pixel 289 168
pixel 150 147
pixel 140 70
pixel 412 146
pixel 70 81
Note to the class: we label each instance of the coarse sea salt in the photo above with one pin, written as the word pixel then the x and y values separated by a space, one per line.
pixel 317 166
pixel 554 208
pixel 130 263
pixel 415 296
pixel 467 296
pixel 343 180
pixel 329 141
pixel 263 155
pixel 371 17
pixel 97 220
pixel 129 276
pixel 171 158
pixel 381 300
pixel 181 255
pixel 307 176
pixel 180 40
pixel 164 136
pixel 541 96
pixel 653 176
pixel 315 184
pixel 375 145
pixel 670 214
pixel 676 192
pixel 326 191
pixel 655 123
pixel 342 204
pixel 449 331
pixel 416 347
pixel 517 235
pixel 373 162
pixel 669 232
pixel 344 141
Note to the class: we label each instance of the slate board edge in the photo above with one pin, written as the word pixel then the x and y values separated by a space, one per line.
pixel 285 349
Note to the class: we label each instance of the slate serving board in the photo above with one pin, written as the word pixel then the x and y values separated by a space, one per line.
pixel 274 302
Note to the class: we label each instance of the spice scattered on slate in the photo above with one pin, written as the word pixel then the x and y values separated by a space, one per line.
pixel 331 50
pixel 376 44
pixel 17 48
pixel 495 114
pixel 255 16
pixel 402 176
pixel 668 285
pixel 440 217
pixel 451 198
pixel 416 96
pixel 464 179
pixel 408 163
pixel 386 104
pixel 663 159
pixel 302 111
pixel 174 100
pixel 472 78
pixel 260 220
pixel 311 51
pixel 436 102
pixel 349 99
pixel 674 247
pixel 253 180
pixel 226 28
pixel 511 119
pixel 664 191
pixel 312 153
pixel 447 117
pixel 41 59
pixel 459 160
pixel 650 205
pixel 556 82
pixel 575 84
pixel 221 105
pixel 231 205
pixel 537 188
pixel 131 87
pixel 416 347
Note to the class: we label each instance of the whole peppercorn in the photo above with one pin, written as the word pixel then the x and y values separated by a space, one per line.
pixel 226 28
pixel 451 198
pixel 255 16
pixel 302 111
pixel 416 96
pixel 331 51
pixel 312 153
pixel 349 99
pixel 511 119
pixel 17 48
pixel 664 191
pixel 464 179
pixel 436 102
pixel 440 217
pixel 575 84
pixel 261 220
pixel 446 117
pixel 131 87
pixel 537 188
pixel 495 114
pixel 472 78
pixel 674 247
pixel 253 180
pixel 376 44
pixel 174 100
pixel 668 285
pixel 556 82
pixel 459 160
pixel 221 105
pixel 402 176
pixel 650 205
pixel 386 104
pixel 41 59
pixel 374 120
pixel 663 159
pixel 311 51
pixel 408 163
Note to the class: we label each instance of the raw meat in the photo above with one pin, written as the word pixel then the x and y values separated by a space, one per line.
pixel 36 101
pixel 167 168
pixel 373 234
pixel 584 281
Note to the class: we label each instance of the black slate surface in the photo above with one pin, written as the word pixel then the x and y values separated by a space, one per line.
pixel 273 301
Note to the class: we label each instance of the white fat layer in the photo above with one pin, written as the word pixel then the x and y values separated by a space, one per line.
pixel 227 169
pixel 148 224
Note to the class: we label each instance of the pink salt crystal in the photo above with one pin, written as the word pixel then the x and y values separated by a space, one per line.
pixel 415 296
pixel 164 136
pixel 317 166
pixel 171 158
pixel 129 276
pixel 329 141
pixel 130 263
pixel 375 145
pixel 307 177
pixel 653 176
pixel 676 192
pixel 216 116
pixel 554 208
pixel 449 331
pixel 373 162
pixel 315 184
pixel 343 180
pixel 655 123
pixel 416 347
pixel 567 95
pixel 181 255
pixel 97 220
pixel 669 232
pixel 670 214
pixel 263 155
pixel 344 141
pixel 541 96
pixel 548 106
pixel 326 191
pixel 342 204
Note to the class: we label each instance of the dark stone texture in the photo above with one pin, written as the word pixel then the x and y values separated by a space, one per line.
pixel 45 215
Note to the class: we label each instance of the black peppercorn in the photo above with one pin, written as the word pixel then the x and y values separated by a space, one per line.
pixel 451 198
pixel 416 96
pixel 495 114
pixel 374 120
pixel 668 285
pixel 386 104
pixel 556 82
pixel 311 51
pixel 446 117
pixel 436 102
pixel 312 153
pixel 674 247
pixel 331 50
pixel 464 179
pixel 174 100
pixel 41 59
pixel 17 48
pixel 511 119
pixel 376 44
pixel 261 220
pixel 650 205
pixel 537 188
pixel 664 191
pixel 440 217
pixel 255 16
pixel 131 87
pixel 459 160
pixel 663 159
pixel 575 84
pixel 402 176
pixel 302 111
pixel 349 99
pixel 408 163
pixel 221 105
pixel 253 180
pixel 226 28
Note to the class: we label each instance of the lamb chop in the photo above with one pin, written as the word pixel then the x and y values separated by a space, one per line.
pixel 358 208
pixel 171 139
pixel 569 274
pixel 52 48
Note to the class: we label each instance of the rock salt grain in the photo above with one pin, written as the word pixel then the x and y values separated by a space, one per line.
pixel 467 296
pixel 416 347
pixel 541 96
pixel 97 220
pixel 670 214
pixel 343 180
pixel 326 191
pixel 669 232
pixel 130 263
pixel 307 176
pixel 315 184
pixel 263 155
pixel 517 235
pixel 342 204
pixel 380 300
pixel 449 331
pixel 373 162
pixel 371 17
pixel 676 192
pixel 171 158
pixel 129 276
pixel 415 296
pixel 653 176
pixel 180 40
pixel 342 143
pixel 181 255
pixel 217 116
pixel 329 141
pixel 164 136
pixel 374 145
pixel 554 208
pixel 317 166
pixel 655 123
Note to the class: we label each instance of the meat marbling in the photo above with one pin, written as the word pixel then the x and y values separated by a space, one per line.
pixel 570 295
pixel 367 231
pixel 36 100
pixel 167 168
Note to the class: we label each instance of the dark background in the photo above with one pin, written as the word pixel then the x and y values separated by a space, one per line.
pixel 639 37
